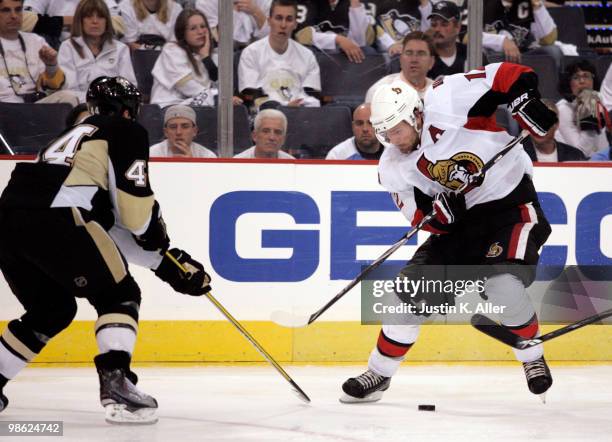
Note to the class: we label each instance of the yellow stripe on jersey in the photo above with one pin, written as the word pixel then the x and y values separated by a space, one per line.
pixel 17 345
pixel 134 211
pixel 105 244
pixel 116 318
pixel 90 165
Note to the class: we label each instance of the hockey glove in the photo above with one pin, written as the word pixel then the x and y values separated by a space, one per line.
pixel 449 207
pixel 590 113
pixel 531 114
pixel 155 238
pixel 195 283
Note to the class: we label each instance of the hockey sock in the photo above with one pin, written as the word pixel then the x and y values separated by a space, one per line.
pixel 528 330
pixel 393 343
pixel 19 345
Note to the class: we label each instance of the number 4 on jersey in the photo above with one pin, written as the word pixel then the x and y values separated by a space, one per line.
pixel 137 173
pixel 62 151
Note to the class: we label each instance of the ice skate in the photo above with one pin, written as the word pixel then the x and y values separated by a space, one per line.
pixel 538 377
pixel 367 387
pixel 122 401
pixel 3 401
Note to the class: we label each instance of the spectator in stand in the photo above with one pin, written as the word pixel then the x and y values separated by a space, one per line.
pixel 29 71
pixel 149 24
pixel 363 145
pixel 606 90
pixel 185 72
pixel 329 25
pixel 269 136
pixel 180 128
pixel 416 60
pixel 396 19
pixel 249 19
pixel 546 149
pixel 581 121
pixel 516 27
pixel 451 55
pixel 92 51
pixel 277 68
pixel 53 18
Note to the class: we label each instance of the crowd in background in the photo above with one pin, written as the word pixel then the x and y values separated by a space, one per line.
pixel 52 50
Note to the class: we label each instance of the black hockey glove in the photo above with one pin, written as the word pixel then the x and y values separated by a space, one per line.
pixel 531 114
pixel 195 283
pixel 449 207
pixel 155 238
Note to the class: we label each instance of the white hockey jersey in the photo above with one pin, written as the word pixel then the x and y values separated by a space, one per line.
pixel 459 136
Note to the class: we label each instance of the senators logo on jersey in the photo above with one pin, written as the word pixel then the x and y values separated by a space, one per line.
pixel 451 173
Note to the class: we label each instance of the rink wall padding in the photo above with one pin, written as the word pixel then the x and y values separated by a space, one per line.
pixel 289 235
pixel 218 342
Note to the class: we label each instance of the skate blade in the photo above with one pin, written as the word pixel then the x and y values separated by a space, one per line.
pixel 118 414
pixel 372 397
pixel 542 397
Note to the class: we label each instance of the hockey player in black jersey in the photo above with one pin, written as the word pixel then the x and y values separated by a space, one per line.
pixel 498 224
pixel 69 224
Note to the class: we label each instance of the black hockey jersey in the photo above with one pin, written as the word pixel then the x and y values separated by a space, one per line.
pixel 99 166
pixel 396 18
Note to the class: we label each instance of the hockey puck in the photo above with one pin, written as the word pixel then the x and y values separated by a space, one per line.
pixel 427 407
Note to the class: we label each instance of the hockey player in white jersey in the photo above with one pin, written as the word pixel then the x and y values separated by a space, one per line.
pixel 431 152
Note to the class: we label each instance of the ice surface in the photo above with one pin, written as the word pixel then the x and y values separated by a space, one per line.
pixel 254 403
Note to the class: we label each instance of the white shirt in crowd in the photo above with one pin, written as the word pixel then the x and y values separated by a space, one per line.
pixel 282 77
pixel 587 141
pixel 359 21
pixel 346 150
pixel 173 70
pixel 547 157
pixel 150 25
pixel 113 60
pixel 388 79
pixel 24 82
pixel 62 8
pixel 197 150
pixel 245 26
pixel 606 90
pixel 250 153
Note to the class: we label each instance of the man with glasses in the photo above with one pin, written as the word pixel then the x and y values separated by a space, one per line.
pixel 180 129
pixel 416 60
pixel 28 66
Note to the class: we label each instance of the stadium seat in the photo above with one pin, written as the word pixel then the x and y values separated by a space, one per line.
pixel 570 26
pixel 344 82
pixel 152 118
pixel 143 61
pixel 544 66
pixel 312 131
pixel 29 127
pixel 207 123
pixel 602 64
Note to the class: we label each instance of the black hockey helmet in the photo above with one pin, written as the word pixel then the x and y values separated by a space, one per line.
pixel 112 96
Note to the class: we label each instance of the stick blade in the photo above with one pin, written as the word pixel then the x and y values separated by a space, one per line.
pixel 289 320
pixel 299 392
pixel 496 331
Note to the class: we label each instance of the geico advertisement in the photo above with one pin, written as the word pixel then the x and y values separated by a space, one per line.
pixel 280 235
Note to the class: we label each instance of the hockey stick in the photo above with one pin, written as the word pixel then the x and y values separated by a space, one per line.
pixel 287 319
pixel 6 145
pixel 244 332
pixel 503 334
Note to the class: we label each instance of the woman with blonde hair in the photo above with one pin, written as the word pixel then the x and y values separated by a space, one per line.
pixel 185 72
pixel 149 23
pixel 92 51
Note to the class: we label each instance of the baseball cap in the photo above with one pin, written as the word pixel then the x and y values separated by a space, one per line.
pixel 446 10
pixel 180 111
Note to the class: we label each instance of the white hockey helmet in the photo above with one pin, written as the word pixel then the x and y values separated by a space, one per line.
pixel 392 104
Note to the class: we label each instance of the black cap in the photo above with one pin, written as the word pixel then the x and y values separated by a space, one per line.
pixel 446 10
